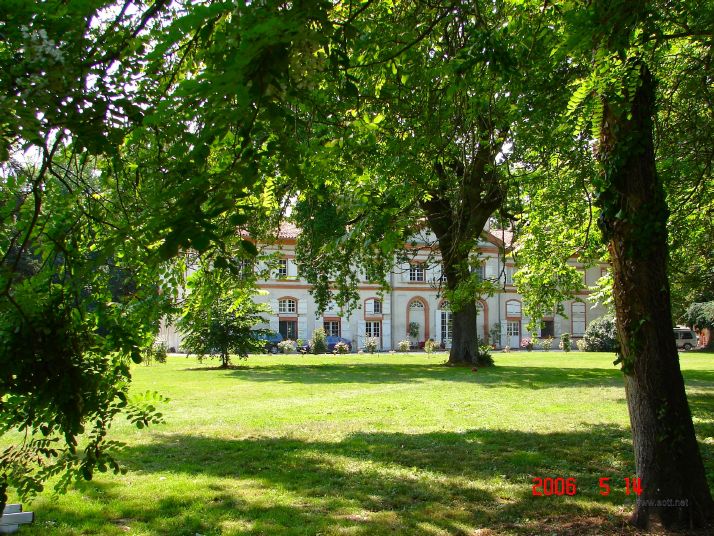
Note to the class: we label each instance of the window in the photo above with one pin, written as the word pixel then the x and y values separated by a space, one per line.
pixel 577 310
pixel 513 309
pixel 447 326
pixel 373 329
pixel 332 328
pixel 416 304
pixel 480 272
pixel 288 329
pixel 373 306
pixel 547 328
pixel 510 270
pixel 416 273
pixel 287 306
pixel 282 268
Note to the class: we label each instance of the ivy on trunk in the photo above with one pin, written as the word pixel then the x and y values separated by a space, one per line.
pixel 634 221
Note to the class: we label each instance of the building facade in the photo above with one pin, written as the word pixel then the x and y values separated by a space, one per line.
pixel 414 308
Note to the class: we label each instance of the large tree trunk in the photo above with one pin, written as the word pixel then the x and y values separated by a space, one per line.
pixel 634 219
pixel 458 226
pixel 464 340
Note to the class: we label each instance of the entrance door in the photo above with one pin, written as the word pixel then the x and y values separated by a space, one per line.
pixel 513 334
pixel 417 315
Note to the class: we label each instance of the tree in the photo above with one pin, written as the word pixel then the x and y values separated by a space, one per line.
pixel 617 39
pixel 219 315
pixel 131 132
pixel 684 146
pixel 701 317
pixel 66 337
pixel 429 99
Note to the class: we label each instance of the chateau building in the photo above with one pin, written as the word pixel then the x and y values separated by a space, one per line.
pixel 414 300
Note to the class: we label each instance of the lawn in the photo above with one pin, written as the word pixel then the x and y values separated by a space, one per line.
pixel 369 445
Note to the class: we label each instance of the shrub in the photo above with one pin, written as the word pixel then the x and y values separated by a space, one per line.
pixel 506 349
pixel 484 359
pixel 371 344
pixel 318 343
pixel 342 348
pixel 565 344
pixel 527 344
pixel 156 353
pixel 287 346
pixel 601 335
pixel 546 344
pixel 582 345
pixel 403 346
pixel 430 346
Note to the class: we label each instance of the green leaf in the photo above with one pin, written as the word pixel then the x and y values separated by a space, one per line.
pixel 249 247
pixel 136 355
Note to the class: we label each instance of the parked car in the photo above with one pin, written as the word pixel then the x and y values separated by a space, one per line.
pixel 331 341
pixel 271 341
pixel 685 337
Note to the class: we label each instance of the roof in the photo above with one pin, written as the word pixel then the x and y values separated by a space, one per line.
pixel 288 230
pixel 498 237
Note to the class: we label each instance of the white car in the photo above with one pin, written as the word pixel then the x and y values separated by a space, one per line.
pixel 685 337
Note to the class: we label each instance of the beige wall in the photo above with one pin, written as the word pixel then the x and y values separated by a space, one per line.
pixel 397 312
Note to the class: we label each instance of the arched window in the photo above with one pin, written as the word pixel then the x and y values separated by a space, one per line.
pixel 287 306
pixel 416 304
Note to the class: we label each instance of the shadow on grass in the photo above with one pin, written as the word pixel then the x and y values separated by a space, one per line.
pixel 382 373
pixel 499 376
pixel 379 483
pixel 373 484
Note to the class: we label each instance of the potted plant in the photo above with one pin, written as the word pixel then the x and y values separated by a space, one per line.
pixel 527 344
pixel 414 330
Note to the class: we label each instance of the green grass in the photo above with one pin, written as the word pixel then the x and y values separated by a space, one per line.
pixel 369 445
